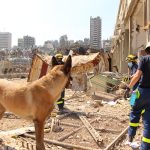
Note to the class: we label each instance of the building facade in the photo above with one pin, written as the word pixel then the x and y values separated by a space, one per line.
pixel 29 42
pixel 20 43
pixel 5 40
pixel 55 44
pixel 95 33
pixel 107 45
pixel 132 31
pixel 63 42
pixel 86 41
pixel 26 42
pixel 48 44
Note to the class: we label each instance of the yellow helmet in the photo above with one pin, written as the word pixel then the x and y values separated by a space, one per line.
pixel 131 58
pixel 59 55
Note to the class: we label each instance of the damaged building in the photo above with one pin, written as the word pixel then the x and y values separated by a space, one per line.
pixel 132 31
pixel 15 67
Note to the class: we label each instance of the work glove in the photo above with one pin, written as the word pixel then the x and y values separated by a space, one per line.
pixel 127 93
pixel 126 79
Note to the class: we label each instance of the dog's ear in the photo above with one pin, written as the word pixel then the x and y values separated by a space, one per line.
pixel 67 65
pixel 54 61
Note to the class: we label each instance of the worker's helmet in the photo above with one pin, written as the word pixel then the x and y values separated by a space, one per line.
pixel 131 58
pixel 59 56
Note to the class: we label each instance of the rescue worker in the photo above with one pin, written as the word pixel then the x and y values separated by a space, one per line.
pixel 60 102
pixel 141 106
pixel 132 66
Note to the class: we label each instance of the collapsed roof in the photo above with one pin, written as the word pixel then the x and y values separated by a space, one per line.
pixel 80 64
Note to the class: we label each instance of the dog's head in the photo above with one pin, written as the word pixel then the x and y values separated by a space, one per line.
pixel 64 68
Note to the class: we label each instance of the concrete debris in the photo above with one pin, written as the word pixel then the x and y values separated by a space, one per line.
pixel 133 145
pixel 99 95
pixel 97 103
pixel 120 92
pixel 112 103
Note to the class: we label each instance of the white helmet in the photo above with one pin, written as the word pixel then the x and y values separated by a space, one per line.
pixel 147 45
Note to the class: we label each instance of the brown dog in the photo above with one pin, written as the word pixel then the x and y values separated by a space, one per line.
pixel 35 100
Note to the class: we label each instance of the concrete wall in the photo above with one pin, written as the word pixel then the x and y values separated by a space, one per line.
pixel 132 30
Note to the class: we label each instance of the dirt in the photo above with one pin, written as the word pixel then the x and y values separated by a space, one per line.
pixel 113 119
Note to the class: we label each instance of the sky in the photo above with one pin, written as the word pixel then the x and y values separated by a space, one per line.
pixel 50 19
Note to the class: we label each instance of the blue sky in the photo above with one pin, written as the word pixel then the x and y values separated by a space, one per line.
pixel 49 19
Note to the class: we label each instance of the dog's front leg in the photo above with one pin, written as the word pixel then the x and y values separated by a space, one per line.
pixel 39 131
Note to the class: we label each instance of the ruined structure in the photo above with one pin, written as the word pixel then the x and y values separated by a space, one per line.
pixel 14 67
pixel 132 31
pixel 81 65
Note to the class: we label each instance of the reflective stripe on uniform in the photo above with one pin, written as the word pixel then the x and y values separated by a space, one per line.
pixel 137 94
pixel 134 124
pixel 143 111
pixel 146 140
pixel 60 102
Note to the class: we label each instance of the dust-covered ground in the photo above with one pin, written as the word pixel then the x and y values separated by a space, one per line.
pixel 112 119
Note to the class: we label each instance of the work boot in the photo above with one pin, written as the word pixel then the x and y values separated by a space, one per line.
pixel 129 141
pixel 130 138
pixel 61 111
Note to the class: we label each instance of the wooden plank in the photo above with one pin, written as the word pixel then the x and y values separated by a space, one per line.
pixel 91 130
pixel 77 126
pixel 117 139
pixel 75 130
pixel 20 131
pixel 62 144
pixel 63 115
pixel 105 96
pixel 17 132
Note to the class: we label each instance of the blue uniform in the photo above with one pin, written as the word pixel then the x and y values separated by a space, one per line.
pixel 141 106
pixel 133 70
pixel 60 101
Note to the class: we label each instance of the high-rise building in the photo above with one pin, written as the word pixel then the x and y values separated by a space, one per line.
pixel 5 40
pixel 63 41
pixel 86 41
pixel 20 43
pixel 29 41
pixel 48 44
pixel 95 33
pixel 55 44
pixel 26 42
